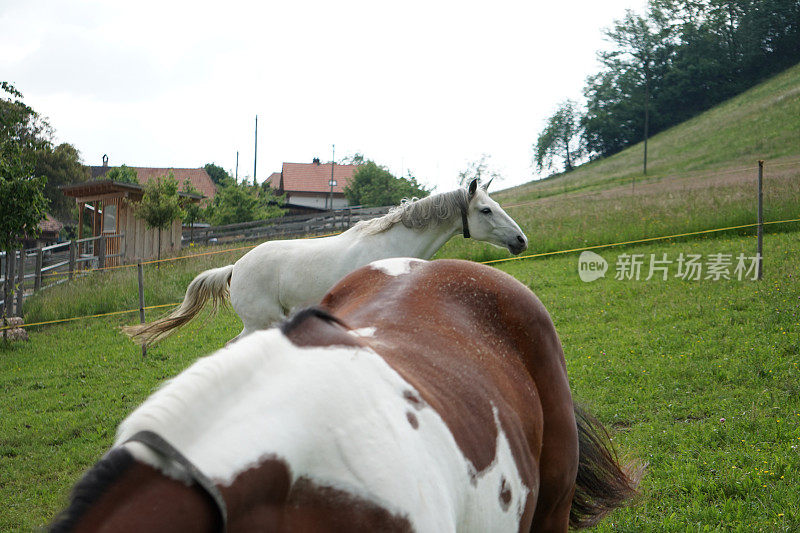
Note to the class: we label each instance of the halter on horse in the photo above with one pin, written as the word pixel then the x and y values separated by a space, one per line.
pixel 278 276
pixel 420 396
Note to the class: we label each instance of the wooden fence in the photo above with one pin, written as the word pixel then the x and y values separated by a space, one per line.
pixel 26 271
pixel 291 226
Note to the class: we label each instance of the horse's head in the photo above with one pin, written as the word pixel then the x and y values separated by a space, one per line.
pixel 486 221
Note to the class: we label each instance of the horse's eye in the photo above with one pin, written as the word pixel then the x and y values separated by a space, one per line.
pixel 486 211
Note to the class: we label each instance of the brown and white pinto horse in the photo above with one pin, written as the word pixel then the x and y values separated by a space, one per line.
pixel 420 396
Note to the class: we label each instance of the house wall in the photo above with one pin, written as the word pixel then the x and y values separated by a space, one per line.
pixel 316 201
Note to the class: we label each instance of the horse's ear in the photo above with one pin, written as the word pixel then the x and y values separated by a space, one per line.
pixel 485 186
pixel 473 187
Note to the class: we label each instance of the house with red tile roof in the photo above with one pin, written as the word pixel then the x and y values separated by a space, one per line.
pixel 198 177
pixel 308 186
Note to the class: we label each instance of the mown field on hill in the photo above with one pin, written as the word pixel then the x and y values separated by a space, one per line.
pixel 698 379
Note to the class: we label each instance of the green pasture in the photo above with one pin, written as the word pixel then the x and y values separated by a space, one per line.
pixel 697 379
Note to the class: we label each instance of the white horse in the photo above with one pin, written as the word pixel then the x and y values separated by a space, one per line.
pixel 278 276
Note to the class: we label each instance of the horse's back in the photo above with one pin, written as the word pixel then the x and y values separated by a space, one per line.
pixel 482 349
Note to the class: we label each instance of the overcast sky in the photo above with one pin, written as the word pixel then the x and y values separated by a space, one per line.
pixel 421 86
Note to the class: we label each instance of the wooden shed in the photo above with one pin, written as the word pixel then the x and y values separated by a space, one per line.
pixel 110 208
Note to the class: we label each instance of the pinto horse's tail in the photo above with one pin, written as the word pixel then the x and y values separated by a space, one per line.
pixel 211 284
pixel 603 484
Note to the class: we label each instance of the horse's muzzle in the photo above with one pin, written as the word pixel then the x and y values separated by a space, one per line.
pixel 518 246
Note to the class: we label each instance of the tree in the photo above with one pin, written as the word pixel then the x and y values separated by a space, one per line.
pixel 160 204
pixel 61 166
pixel 373 185
pixel 637 42
pixel 123 174
pixel 479 170
pixel 355 159
pixel 218 175
pixel 191 208
pixel 22 200
pixel 560 139
pixel 244 203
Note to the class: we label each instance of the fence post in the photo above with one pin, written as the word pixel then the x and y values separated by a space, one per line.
pixel 72 250
pixel 141 301
pixel 21 278
pixel 12 270
pixel 101 251
pixel 6 288
pixel 759 250
pixel 37 283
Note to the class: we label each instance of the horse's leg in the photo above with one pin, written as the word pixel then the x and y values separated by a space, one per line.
pixel 558 466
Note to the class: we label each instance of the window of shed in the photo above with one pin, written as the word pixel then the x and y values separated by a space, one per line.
pixel 110 218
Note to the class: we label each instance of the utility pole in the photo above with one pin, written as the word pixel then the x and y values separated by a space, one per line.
pixel 237 168
pixel 255 154
pixel 333 163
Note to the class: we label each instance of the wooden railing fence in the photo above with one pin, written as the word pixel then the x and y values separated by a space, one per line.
pixel 289 226
pixel 25 271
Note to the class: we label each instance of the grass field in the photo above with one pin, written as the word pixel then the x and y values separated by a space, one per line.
pixel 662 363
pixel 699 379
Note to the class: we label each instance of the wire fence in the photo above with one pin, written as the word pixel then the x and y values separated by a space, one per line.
pixel 489 262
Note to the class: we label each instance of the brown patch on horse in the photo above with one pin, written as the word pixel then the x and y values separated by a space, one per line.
pixel 505 494
pixel 264 498
pixel 321 508
pixel 412 419
pixel 413 398
pixel 137 498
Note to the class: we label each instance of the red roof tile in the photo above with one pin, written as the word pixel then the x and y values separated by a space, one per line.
pixel 48 223
pixel 312 177
pixel 198 177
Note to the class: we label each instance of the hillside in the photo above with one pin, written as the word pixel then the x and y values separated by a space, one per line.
pixel 761 123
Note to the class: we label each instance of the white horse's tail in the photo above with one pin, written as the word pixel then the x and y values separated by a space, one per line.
pixel 211 284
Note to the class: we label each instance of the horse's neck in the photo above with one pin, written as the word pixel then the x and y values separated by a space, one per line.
pixel 400 241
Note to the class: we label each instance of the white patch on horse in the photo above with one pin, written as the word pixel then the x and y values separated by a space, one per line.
pixel 362 332
pixel 395 266
pixel 336 415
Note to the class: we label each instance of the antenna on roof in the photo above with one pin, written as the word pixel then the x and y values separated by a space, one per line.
pixel 255 154
pixel 333 164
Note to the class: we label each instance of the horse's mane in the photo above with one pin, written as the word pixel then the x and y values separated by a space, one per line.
pixel 93 484
pixel 418 213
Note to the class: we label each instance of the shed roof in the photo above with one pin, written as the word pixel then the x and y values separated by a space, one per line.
pixel 94 189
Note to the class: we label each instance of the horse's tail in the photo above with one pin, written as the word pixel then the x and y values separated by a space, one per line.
pixel 603 484
pixel 211 284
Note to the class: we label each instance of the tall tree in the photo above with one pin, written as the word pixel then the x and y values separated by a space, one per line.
pixel 160 204
pixel 373 185
pixel 218 175
pixel 22 200
pixel 61 166
pixel 560 139
pixel 123 174
pixel 638 43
